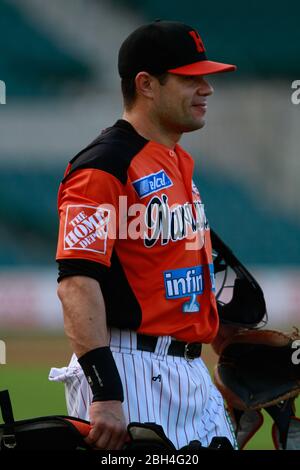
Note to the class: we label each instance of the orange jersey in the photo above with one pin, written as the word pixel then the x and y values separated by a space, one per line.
pixel 131 217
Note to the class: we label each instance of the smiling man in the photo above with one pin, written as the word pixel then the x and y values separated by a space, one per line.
pixel 138 308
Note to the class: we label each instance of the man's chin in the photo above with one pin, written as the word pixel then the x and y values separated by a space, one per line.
pixel 195 125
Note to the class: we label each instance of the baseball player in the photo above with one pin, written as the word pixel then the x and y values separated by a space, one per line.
pixel 136 277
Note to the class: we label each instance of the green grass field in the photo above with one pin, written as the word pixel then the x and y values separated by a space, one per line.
pixel 32 395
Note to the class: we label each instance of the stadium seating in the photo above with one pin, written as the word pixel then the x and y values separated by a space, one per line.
pixel 33 65
pixel 28 206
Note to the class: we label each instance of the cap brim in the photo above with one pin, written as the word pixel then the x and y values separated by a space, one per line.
pixel 205 67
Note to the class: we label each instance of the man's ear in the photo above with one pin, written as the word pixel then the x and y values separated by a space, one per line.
pixel 144 83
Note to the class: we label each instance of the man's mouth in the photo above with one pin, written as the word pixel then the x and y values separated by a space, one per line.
pixel 200 105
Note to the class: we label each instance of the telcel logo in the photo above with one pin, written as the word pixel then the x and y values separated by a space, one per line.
pixel 2 92
pixel 2 352
pixel 151 183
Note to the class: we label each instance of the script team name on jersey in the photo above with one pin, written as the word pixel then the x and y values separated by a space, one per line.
pixel 172 223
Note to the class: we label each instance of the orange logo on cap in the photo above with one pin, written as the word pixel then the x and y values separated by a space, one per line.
pixel 198 41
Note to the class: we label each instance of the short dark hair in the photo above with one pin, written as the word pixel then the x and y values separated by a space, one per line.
pixel 129 89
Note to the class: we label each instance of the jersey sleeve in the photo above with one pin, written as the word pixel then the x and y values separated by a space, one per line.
pixel 88 206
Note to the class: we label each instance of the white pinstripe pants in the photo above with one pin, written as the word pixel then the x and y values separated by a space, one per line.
pixel 168 390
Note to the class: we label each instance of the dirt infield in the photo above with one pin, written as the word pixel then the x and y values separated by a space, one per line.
pixel 37 349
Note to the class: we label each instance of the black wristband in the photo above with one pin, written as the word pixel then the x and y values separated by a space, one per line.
pixel 102 374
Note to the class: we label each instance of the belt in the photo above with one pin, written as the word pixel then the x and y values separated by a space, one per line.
pixel 189 351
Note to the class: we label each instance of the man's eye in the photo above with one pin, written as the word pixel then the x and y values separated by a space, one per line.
pixel 192 78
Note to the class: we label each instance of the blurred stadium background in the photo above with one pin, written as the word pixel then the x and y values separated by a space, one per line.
pixel 58 61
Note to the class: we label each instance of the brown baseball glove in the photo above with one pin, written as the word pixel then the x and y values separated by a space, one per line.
pixel 261 369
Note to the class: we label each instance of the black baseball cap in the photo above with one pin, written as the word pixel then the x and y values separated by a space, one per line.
pixel 166 46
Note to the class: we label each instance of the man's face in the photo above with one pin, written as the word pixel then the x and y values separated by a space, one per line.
pixel 179 105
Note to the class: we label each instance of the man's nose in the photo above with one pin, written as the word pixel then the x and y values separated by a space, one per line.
pixel 205 89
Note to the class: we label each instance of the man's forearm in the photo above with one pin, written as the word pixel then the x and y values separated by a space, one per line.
pixel 84 313
pixel 85 326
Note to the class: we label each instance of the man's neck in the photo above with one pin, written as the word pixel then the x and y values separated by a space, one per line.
pixel 151 131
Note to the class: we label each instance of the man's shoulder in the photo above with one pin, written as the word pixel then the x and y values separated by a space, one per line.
pixel 112 151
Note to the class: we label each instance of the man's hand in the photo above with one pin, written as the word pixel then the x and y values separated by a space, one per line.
pixel 108 426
